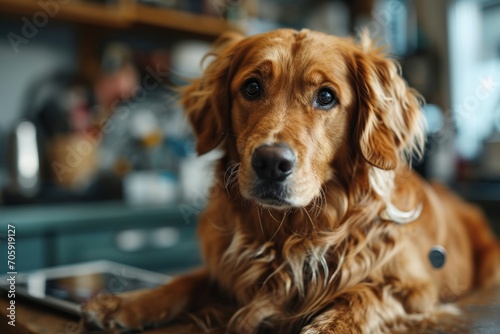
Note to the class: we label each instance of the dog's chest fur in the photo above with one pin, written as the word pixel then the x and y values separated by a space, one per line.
pixel 293 276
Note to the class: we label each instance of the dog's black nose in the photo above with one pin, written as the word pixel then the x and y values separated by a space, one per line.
pixel 273 162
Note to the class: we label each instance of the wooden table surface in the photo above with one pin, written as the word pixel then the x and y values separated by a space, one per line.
pixel 481 314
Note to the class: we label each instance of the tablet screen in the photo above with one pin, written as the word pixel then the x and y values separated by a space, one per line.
pixel 78 288
pixel 67 287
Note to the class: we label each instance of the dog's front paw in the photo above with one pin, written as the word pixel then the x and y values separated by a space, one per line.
pixel 333 322
pixel 121 313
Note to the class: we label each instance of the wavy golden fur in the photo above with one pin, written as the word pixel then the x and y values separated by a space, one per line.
pixel 342 245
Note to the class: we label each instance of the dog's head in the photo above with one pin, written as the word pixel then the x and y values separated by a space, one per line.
pixel 297 107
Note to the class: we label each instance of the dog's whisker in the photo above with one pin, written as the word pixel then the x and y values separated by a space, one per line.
pixel 281 224
pixel 322 202
pixel 316 207
pixel 225 176
pixel 270 214
pixel 260 221
pixel 310 219
pixel 232 169
pixel 231 179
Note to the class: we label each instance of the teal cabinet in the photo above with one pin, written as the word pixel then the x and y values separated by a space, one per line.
pixel 160 239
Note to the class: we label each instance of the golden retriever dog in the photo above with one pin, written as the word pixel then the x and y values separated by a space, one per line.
pixel 315 222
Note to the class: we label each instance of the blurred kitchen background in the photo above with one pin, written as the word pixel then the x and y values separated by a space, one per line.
pixel 97 161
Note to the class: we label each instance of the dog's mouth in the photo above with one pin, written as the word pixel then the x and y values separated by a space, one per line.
pixel 271 194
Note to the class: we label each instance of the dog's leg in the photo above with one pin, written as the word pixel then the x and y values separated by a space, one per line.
pixel 486 249
pixel 137 309
pixel 334 321
pixel 364 309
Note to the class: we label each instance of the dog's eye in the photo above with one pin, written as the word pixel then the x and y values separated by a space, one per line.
pixel 326 98
pixel 252 88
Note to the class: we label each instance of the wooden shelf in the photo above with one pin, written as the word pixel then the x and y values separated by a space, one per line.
pixel 183 21
pixel 124 15
pixel 78 12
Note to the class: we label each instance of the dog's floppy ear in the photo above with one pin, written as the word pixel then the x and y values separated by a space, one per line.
pixel 206 100
pixel 389 125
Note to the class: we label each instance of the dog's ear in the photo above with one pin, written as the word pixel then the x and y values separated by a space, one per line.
pixel 206 100
pixel 390 126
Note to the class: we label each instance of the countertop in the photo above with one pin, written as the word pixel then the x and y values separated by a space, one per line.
pixel 481 314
